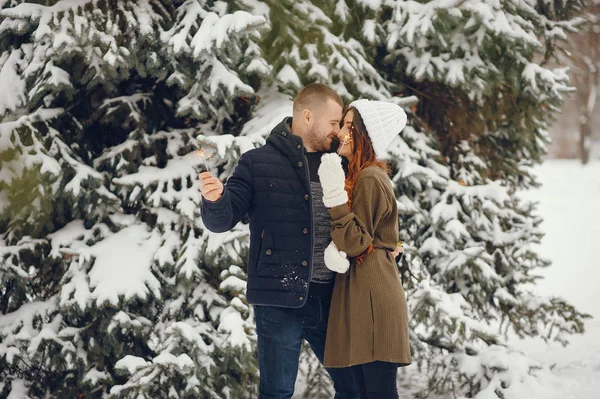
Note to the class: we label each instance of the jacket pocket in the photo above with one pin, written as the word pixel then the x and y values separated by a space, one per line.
pixel 255 250
pixel 261 245
pixel 269 263
pixel 264 249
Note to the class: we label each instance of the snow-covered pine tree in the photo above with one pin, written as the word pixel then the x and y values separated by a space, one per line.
pixel 478 68
pixel 476 261
pixel 108 283
pixel 305 44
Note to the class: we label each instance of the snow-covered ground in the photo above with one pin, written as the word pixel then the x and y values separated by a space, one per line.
pixel 570 205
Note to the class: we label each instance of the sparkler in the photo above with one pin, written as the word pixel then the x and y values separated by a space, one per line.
pixel 201 152
pixel 346 139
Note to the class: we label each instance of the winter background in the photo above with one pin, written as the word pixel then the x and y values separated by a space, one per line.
pixel 110 287
pixel 569 205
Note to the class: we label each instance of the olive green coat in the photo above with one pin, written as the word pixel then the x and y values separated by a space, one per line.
pixel 368 317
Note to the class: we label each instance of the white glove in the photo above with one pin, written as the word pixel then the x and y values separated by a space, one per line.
pixel 336 260
pixel 333 180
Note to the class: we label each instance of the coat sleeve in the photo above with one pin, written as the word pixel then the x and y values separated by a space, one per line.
pixel 354 230
pixel 222 215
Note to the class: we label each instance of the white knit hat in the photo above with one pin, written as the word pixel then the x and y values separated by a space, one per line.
pixel 383 120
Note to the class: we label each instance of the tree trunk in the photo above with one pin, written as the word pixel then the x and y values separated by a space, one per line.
pixel 584 138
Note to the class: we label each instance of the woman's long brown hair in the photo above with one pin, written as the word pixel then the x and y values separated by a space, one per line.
pixel 363 156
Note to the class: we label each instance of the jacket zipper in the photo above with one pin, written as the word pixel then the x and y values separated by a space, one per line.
pixel 312 232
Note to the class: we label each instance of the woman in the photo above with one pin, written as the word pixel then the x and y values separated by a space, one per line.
pixel 368 325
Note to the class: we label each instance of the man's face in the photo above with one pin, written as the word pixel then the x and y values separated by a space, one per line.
pixel 325 126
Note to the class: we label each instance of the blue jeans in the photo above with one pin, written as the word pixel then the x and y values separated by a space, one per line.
pixel 280 333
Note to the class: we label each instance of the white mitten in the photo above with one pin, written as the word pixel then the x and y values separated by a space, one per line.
pixel 333 180
pixel 336 260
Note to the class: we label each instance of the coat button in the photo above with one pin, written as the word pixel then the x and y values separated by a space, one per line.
pixel 305 230
pixel 301 298
pixel 306 197
pixel 300 164
pixel 299 146
pixel 304 263
pixel 284 134
pixel 268 252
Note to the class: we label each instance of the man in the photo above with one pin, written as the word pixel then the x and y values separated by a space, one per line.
pixel 278 187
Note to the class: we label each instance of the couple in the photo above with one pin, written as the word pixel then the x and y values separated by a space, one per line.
pixel 306 213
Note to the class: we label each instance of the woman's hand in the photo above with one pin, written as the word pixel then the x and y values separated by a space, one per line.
pixel 336 260
pixel 397 251
pixel 333 180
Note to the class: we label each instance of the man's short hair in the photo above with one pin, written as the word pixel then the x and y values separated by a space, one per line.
pixel 314 96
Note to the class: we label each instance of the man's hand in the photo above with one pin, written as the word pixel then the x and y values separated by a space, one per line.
pixel 210 187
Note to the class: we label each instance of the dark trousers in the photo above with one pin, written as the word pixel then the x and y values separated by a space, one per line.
pixel 280 333
pixel 376 380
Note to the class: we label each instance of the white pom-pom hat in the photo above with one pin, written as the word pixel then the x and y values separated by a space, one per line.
pixel 383 120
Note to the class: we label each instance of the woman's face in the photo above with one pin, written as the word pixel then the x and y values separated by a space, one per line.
pixel 345 136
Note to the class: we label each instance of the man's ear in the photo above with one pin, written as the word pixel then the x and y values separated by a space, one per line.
pixel 307 116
